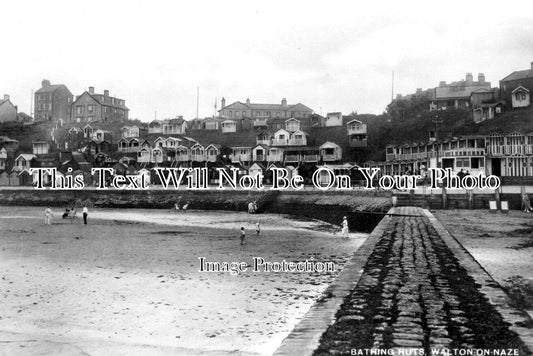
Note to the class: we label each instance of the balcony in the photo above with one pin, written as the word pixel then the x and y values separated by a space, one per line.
pixel 311 158
pixel 236 158
pixel 292 158
pixel 297 142
pixel 198 157
pixel 357 130
pixel 464 152
pixel 183 156
pixel 275 157
pixel 280 142
pixel 260 122
pixel 330 157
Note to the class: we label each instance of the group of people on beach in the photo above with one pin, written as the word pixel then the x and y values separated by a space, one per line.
pixel 252 207
pixel 243 232
pixel 49 214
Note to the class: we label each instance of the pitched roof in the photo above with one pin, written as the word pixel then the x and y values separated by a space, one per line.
pixel 98 99
pixel 519 74
pixel 50 88
pixel 266 107
pixel 520 88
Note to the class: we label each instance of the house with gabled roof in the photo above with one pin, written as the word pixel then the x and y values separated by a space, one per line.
pixel 52 102
pixel 23 162
pixel 90 106
pixel 212 152
pixel 8 111
pixel 508 85
pixel 259 153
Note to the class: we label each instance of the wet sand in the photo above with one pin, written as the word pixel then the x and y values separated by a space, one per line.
pixel 502 243
pixel 128 283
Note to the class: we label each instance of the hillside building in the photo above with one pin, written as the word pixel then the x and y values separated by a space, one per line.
pixel 458 94
pixel 52 102
pixel 516 87
pixel 8 111
pixel 248 109
pixel 89 107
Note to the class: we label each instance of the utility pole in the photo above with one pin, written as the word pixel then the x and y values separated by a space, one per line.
pixel 436 121
pixel 31 104
pixel 197 100
pixel 392 88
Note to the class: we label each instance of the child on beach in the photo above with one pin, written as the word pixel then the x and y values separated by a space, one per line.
pixel 344 227
pixel 243 236
pixel 257 228
pixel 48 215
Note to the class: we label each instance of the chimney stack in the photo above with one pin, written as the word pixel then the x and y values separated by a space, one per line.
pixel 531 65
pixel 106 92
pixel 284 102
pixel 442 83
pixel 6 97
pixel 481 78
pixel 247 100
pixel 91 90
pixel 45 83
pixel 469 78
pixel 223 103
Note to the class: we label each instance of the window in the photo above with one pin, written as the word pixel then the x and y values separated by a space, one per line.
pixel 237 113
pixel 277 114
pixel 230 114
pixel 476 162
pixel 520 96
pixel 281 137
pixel 79 110
pixel 90 108
pixel 243 113
pixel 462 162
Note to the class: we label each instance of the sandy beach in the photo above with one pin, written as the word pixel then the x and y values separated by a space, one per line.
pixel 502 243
pixel 128 283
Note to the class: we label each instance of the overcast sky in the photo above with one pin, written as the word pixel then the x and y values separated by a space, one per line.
pixel 328 55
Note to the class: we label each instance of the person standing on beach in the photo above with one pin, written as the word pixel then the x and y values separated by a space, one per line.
pixel 243 236
pixel 527 204
pixel 257 228
pixel 48 215
pixel 345 227
pixel 85 214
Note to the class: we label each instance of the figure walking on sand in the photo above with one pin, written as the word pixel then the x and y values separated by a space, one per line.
pixel 345 227
pixel 257 228
pixel 527 204
pixel 85 214
pixel 251 207
pixel 243 236
pixel 48 215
